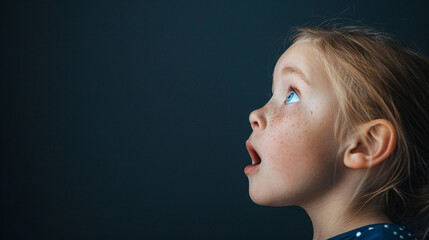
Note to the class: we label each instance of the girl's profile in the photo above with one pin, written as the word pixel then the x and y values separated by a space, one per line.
pixel 344 135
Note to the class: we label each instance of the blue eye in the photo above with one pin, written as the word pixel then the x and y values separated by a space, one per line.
pixel 292 98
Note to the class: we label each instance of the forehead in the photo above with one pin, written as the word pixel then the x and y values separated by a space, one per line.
pixel 301 56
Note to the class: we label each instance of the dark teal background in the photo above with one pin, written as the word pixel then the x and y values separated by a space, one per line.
pixel 128 119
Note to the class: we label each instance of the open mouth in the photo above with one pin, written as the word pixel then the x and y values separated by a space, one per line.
pixel 256 160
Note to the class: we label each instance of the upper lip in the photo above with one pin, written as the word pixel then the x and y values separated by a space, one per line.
pixel 253 154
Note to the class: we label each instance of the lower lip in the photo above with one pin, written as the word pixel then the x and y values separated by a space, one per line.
pixel 250 169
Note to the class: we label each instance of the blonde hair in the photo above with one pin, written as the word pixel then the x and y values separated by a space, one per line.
pixel 376 77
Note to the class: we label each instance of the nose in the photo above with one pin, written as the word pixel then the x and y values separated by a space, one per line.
pixel 257 120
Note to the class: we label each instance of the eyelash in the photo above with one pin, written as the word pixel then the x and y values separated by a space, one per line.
pixel 291 89
pixel 295 97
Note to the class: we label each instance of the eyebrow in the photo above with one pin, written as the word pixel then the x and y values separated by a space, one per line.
pixel 294 70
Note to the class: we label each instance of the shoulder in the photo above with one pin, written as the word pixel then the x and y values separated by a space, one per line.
pixel 377 232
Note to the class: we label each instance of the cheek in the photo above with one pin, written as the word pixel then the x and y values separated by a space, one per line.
pixel 299 142
pixel 289 140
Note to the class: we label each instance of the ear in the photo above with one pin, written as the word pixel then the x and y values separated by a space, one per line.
pixel 373 142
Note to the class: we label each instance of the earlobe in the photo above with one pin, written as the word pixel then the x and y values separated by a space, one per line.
pixel 373 143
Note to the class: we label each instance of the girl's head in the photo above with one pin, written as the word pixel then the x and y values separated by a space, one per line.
pixel 293 142
pixel 361 117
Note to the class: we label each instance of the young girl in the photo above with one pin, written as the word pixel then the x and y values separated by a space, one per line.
pixel 344 135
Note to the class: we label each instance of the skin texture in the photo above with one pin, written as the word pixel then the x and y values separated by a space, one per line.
pixel 296 145
pixel 294 141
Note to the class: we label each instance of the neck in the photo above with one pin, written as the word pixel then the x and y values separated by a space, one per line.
pixel 329 221
pixel 330 215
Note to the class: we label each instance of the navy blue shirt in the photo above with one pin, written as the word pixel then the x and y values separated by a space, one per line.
pixel 380 231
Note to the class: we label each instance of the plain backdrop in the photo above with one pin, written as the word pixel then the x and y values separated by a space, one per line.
pixel 128 119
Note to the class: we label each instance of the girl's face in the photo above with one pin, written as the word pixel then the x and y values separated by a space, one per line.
pixel 293 134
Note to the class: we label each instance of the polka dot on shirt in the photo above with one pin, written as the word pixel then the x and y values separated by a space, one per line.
pixel 381 231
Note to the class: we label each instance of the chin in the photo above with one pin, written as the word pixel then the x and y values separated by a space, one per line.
pixel 266 199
